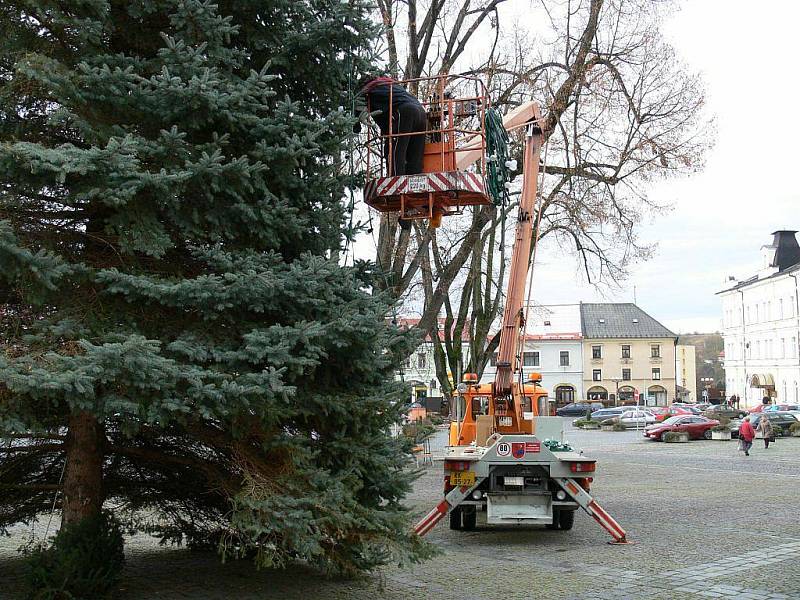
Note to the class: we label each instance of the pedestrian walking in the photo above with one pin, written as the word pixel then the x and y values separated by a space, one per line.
pixel 746 435
pixel 766 430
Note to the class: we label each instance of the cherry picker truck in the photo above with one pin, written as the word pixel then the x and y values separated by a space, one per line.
pixel 505 456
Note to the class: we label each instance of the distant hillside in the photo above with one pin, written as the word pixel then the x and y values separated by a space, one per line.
pixel 708 354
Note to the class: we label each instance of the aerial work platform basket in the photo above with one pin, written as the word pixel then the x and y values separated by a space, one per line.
pixel 454 164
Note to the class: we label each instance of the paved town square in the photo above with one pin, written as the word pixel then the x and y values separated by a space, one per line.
pixel 706 522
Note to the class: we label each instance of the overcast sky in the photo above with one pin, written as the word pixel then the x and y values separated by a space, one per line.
pixel 747 54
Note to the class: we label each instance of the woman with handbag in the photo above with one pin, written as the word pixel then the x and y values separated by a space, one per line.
pixel 766 430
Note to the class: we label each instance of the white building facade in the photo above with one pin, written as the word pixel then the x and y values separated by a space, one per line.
pixel 761 327
pixel 686 370
pixel 553 349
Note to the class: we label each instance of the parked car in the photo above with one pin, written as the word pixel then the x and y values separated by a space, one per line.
pixel 672 411
pixel 577 409
pixel 781 407
pixel 784 420
pixel 607 413
pixel 716 411
pixel 696 426
pixel 637 418
pixel 693 408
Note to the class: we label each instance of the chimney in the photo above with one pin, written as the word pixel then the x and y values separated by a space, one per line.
pixel 787 252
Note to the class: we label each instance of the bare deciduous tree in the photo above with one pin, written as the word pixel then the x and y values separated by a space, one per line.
pixel 620 109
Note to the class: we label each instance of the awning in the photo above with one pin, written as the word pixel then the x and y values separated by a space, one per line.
pixel 762 380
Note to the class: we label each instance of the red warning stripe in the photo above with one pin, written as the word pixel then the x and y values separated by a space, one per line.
pixel 437 182
pixel 605 520
pixel 432 518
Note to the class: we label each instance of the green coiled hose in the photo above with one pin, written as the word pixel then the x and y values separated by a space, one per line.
pixel 498 173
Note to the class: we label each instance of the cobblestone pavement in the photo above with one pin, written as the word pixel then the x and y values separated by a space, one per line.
pixel 707 523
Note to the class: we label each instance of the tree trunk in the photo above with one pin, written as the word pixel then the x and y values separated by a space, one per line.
pixel 83 475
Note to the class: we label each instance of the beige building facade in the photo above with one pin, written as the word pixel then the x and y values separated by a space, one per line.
pixel 686 370
pixel 628 356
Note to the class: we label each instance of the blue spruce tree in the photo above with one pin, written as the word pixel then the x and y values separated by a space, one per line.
pixel 178 334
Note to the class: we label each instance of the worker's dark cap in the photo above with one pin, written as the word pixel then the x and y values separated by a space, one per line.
pixel 367 77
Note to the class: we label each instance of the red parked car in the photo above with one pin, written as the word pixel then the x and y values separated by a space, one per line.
pixel 671 411
pixel 696 426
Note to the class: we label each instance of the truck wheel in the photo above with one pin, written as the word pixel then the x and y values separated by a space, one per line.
pixel 470 516
pixel 455 519
pixel 554 524
pixel 566 519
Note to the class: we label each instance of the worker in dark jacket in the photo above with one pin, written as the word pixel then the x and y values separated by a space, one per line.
pixel 406 115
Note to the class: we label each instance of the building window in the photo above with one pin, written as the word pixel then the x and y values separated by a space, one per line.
pixel 564 395
pixel 530 359
pixel 597 375
pixel 793 349
pixel 626 374
pixel 656 373
pixel 780 308
pixel 756 313
pixel 433 384
pixel 791 307
pixel 420 361
pixel 626 351
pixel 655 351
pixel 564 358
pixel 597 352
pixel 493 359
pixel 547 323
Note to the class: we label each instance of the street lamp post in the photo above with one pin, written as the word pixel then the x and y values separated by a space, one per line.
pixel 616 381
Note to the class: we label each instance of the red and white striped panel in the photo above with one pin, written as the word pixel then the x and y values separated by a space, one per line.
pixel 450 181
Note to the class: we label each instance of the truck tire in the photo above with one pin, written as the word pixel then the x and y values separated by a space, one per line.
pixel 470 517
pixel 455 519
pixel 566 519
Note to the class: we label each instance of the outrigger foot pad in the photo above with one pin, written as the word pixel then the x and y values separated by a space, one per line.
pixel 622 542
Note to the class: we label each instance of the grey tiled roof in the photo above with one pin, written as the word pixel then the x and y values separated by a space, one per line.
pixel 612 320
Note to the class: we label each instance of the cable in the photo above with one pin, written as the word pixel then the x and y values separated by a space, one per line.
pixel 499 164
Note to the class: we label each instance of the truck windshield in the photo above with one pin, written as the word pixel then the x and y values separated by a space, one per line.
pixel 480 406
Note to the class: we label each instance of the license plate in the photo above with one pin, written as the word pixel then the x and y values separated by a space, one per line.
pixel 462 478
pixel 417 184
